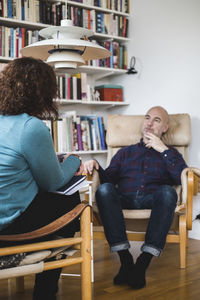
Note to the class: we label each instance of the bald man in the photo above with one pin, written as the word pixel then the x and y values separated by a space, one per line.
pixel 139 176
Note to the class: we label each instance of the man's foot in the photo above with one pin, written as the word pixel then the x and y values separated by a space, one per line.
pixel 120 278
pixel 126 269
pixel 123 276
pixel 139 281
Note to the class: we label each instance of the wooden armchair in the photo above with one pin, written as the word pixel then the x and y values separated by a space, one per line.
pixel 124 130
pixel 84 240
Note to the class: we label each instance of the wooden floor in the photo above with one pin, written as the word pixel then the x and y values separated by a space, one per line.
pixel 165 281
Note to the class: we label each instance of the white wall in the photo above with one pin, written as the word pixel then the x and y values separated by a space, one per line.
pixel 165 39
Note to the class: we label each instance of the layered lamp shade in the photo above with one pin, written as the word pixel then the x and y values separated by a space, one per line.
pixel 65 47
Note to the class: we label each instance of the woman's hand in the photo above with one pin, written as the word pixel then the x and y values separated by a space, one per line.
pixel 80 170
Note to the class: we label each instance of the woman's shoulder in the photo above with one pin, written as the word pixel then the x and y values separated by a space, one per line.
pixel 33 126
pixel 32 121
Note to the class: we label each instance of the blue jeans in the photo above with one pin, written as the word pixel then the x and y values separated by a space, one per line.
pixel 161 202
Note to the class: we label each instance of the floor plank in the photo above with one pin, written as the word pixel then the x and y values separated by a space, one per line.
pixel 165 280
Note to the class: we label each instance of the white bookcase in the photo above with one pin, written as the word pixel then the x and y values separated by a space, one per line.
pixel 95 73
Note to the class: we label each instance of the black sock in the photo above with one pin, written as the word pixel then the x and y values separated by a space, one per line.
pixel 125 257
pixel 141 265
pixel 144 260
pixel 126 269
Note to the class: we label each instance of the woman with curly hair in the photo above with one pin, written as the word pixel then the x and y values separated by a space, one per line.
pixel 29 169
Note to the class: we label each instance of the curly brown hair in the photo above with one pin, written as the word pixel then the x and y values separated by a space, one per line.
pixel 28 85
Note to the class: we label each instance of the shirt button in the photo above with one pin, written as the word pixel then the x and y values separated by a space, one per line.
pixel 165 155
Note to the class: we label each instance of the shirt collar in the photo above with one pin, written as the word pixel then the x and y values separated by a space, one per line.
pixel 141 143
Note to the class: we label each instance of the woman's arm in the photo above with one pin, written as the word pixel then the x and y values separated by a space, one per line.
pixel 37 148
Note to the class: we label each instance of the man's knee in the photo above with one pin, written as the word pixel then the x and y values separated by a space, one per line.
pixel 168 196
pixel 104 189
pixel 104 192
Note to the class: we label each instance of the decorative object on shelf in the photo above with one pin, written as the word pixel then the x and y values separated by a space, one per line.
pixel 96 96
pixel 64 46
pixel 132 69
pixel 110 92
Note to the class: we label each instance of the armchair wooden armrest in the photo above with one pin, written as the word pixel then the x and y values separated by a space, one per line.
pixel 48 229
pixel 190 179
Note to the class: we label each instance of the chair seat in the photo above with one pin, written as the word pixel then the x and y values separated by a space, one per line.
pixel 136 213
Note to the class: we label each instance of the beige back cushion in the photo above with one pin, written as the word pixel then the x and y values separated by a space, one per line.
pixel 124 130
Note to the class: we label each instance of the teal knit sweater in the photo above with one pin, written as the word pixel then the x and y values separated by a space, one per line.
pixel 28 162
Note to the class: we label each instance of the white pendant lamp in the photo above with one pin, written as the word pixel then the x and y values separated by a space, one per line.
pixel 64 46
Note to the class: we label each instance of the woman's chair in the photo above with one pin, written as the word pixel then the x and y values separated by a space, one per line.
pixel 124 130
pixel 47 249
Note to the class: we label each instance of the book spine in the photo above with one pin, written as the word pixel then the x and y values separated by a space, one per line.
pixel 103 146
pixel 84 86
pixel 1 8
pixel 74 83
pixel 79 138
pixel 14 9
pixel 68 88
pixel 5 8
pixel 9 8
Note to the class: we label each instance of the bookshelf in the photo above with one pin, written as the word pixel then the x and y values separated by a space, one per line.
pixel 107 104
pixel 95 71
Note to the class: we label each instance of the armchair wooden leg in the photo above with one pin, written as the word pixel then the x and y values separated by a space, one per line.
pixel 86 254
pixel 183 241
pixel 20 284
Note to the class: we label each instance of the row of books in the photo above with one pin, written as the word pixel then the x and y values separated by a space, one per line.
pixel 111 24
pixel 82 17
pixel 27 10
pixel 119 5
pixel 73 87
pixel 118 58
pixel 51 13
pixel 77 133
pixel 13 39
pixel 76 87
pixel 98 22
pixel 34 11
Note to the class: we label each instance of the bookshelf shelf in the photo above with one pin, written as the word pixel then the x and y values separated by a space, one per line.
pixel 91 152
pixel 112 37
pixel 97 72
pixel 21 23
pixel 87 152
pixel 5 59
pixel 91 7
pixel 92 103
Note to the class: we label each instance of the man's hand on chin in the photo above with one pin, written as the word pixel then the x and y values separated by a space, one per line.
pixel 152 141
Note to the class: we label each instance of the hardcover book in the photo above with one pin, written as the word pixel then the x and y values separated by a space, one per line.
pixel 73 185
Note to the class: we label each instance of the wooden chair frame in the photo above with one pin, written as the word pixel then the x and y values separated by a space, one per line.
pixel 84 211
